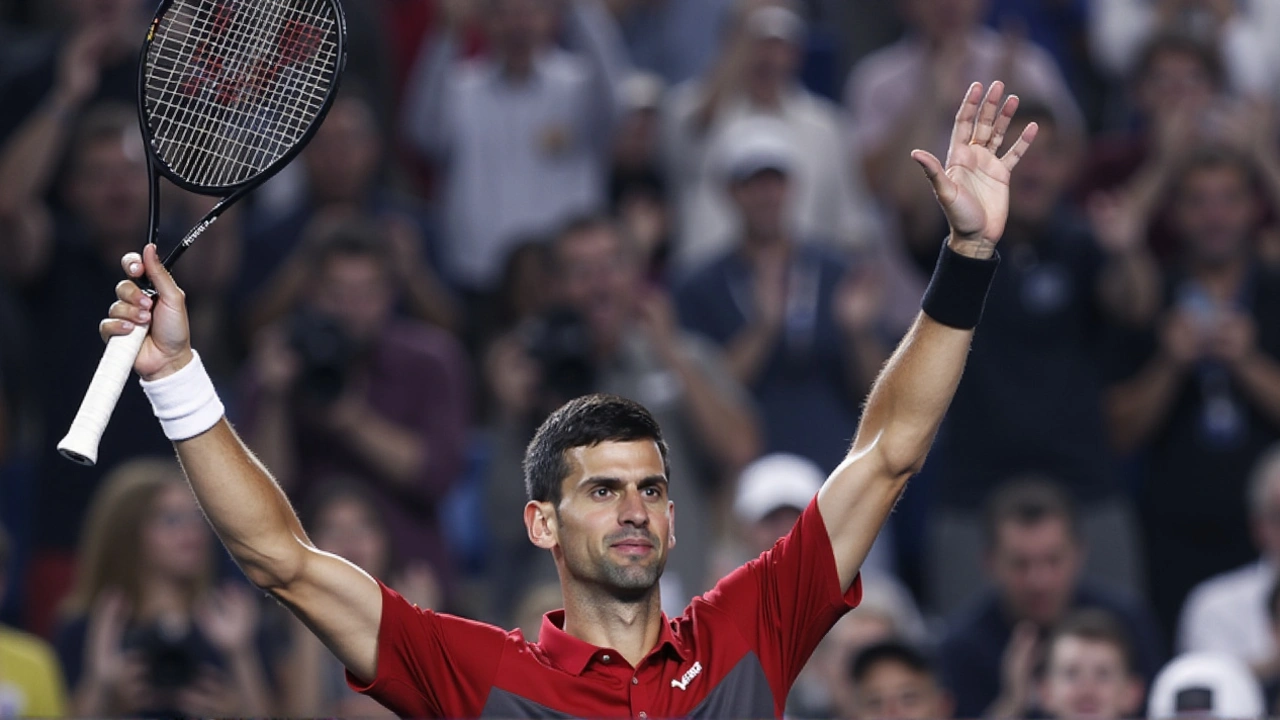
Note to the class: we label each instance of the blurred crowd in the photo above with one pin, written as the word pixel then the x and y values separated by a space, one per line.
pixel 707 206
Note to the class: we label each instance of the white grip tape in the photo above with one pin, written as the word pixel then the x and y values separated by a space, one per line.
pixel 185 402
pixel 81 441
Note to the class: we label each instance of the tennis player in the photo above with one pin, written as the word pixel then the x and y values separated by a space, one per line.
pixel 597 476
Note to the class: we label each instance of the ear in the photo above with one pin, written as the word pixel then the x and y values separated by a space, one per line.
pixel 540 522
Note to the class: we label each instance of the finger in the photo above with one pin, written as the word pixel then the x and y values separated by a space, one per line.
pixel 124 311
pixel 943 187
pixel 987 114
pixel 160 278
pixel 108 329
pixel 1002 123
pixel 1019 148
pixel 129 292
pixel 965 116
pixel 131 263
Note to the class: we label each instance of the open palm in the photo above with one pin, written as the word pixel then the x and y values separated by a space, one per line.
pixel 973 189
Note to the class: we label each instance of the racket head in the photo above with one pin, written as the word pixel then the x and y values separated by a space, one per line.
pixel 230 91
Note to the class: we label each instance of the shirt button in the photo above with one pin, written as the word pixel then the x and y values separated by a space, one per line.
pixel 636 681
pixel 643 714
pixel 604 659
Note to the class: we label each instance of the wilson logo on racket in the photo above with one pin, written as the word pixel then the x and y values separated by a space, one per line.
pixel 296 43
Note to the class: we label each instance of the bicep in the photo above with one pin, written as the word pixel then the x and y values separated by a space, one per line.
pixel 342 605
pixel 855 501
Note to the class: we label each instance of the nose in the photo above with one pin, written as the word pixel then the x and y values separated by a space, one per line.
pixel 631 510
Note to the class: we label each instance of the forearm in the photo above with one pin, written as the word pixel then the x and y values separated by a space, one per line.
pixel 428 299
pixel 748 351
pixel 300 675
pixel 1129 287
pixel 248 678
pixel 32 154
pixel 247 509
pixel 1260 376
pixel 1136 407
pixel 595 34
pixel 728 429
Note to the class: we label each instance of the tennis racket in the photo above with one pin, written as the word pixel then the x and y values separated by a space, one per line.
pixel 229 92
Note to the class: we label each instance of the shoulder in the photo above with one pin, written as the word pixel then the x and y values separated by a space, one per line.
pixel 1228 591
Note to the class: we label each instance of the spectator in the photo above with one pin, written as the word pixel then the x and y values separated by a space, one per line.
pixel 675 40
pixel 145 634
pixel 344 164
pixel 343 518
pixel 30 679
pixel 1206 685
pixel 894 680
pixel 799 327
pixel 1246 31
pixel 1034 555
pixel 615 335
pixel 64 263
pixel 1032 400
pixel 1089 670
pixel 1199 391
pixel 345 388
pixel 523 136
pixel 756 77
pixel 637 183
pixel 1228 613
pixel 900 99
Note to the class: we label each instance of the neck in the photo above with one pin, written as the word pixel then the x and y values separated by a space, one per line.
pixel 163 598
pixel 762 245
pixel 1221 280
pixel 598 618
pixel 765 93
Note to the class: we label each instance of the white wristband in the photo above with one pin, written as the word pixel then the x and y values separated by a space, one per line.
pixel 185 402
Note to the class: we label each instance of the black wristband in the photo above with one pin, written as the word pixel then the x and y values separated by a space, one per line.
pixel 958 291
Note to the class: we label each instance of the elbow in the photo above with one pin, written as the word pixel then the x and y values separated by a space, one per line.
pixel 274 571
pixel 900 458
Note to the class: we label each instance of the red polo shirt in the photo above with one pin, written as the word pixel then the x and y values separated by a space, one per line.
pixel 734 652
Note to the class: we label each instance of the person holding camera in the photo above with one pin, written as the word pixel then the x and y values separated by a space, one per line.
pixel 145 633
pixel 609 332
pixel 343 387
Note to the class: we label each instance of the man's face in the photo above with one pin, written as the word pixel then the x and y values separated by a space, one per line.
pixel 1087 680
pixel 1035 566
pixel 108 189
pixel 762 202
pixel 353 289
pixel 937 20
pixel 343 155
pixel 773 60
pixel 1175 80
pixel 614 524
pixel 599 279
pixel 1043 173
pixel 897 692
pixel 1215 213
pixel 519 27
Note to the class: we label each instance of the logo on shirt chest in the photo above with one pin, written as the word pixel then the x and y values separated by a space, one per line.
pixel 692 673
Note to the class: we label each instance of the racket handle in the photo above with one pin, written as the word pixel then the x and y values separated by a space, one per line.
pixel 81 442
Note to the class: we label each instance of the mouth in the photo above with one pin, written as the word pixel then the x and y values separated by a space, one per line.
pixel 633 546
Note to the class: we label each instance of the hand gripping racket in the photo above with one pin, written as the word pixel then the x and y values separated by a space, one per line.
pixel 229 91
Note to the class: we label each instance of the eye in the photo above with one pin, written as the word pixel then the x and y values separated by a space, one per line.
pixel 600 491
pixel 653 491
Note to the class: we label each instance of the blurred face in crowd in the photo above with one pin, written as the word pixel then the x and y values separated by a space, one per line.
pixel 762 202
pixel 600 278
pixel 615 522
pixel 1044 173
pixel 773 61
pixel 1035 566
pixel 1266 517
pixel 349 528
pixel 896 691
pixel 343 156
pixel 861 627
pixel 519 28
pixel 175 538
pixel 108 190
pixel 126 19
pixel 764 533
pixel 1216 213
pixel 355 290
pixel 939 20
pixel 1086 679
pixel 1175 79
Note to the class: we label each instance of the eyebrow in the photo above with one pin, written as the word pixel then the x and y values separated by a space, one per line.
pixel 613 482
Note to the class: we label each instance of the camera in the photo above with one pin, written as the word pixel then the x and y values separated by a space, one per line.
pixel 173 661
pixel 326 353
pixel 560 342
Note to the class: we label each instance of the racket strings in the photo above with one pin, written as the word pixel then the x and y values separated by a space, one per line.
pixel 232 86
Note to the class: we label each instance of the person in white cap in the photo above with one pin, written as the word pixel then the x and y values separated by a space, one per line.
pixel 1206 684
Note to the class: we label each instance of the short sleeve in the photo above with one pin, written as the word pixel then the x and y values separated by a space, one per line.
pixel 786 600
pixel 431 664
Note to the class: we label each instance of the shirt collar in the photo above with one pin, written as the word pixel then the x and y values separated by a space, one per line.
pixel 574 655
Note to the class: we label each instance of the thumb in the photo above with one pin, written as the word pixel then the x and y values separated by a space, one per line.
pixel 160 278
pixel 943 186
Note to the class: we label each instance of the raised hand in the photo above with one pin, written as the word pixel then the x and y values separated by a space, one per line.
pixel 973 188
pixel 168 345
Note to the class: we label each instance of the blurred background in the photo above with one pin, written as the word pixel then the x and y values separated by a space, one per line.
pixel 707 206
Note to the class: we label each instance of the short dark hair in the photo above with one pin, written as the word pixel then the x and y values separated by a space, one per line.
pixel 889 651
pixel 1215 157
pixel 1180 43
pixel 1028 500
pixel 351 238
pixel 584 422
pixel 1095 625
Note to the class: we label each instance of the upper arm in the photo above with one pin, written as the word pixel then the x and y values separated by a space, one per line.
pixel 341 604
pixel 855 501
